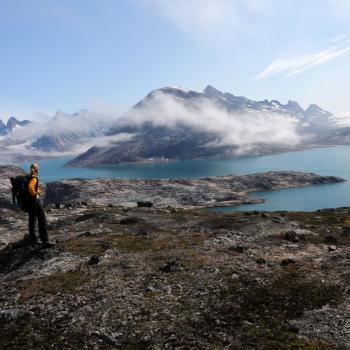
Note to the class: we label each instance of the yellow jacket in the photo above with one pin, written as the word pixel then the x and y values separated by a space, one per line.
pixel 33 186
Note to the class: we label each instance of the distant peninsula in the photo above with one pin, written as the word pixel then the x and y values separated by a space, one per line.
pixel 205 192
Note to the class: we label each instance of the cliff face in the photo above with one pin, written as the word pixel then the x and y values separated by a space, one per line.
pixel 146 278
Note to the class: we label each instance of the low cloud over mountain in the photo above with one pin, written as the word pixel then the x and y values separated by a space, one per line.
pixel 203 113
pixel 173 123
pixel 176 123
pixel 62 134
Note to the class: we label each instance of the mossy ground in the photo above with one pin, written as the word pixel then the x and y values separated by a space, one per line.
pixel 65 282
pixel 131 243
pixel 324 223
pixel 39 335
pixel 253 315
pixel 216 298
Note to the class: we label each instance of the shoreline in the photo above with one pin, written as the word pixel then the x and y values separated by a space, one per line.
pixel 29 158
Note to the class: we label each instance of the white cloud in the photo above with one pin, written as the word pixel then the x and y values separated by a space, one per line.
pixel 83 123
pixel 341 8
pixel 74 133
pixel 108 109
pixel 239 129
pixel 12 108
pixel 188 14
pixel 290 66
pixel 18 152
pixel 343 119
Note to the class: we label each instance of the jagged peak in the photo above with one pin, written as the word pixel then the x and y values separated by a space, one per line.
pixel 173 88
pixel 211 90
pixel 276 102
pixel 12 121
pixel 266 101
pixel 82 111
pixel 170 90
pixel 314 107
pixel 60 114
pixel 294 105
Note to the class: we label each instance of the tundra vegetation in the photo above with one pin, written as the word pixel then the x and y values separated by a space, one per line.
pixel 149 278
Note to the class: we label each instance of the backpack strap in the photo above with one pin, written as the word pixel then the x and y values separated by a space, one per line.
pixel 13 191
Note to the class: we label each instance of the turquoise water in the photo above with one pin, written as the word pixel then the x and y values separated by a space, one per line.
pixel 323 161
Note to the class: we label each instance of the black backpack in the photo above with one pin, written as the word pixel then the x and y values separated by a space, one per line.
pixel 20 194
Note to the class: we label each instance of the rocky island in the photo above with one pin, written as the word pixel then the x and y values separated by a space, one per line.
pixel 169 276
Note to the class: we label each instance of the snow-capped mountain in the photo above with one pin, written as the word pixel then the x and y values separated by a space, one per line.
pixel 313 117
pixel 177 123
pixel 64 133
pixel 11 125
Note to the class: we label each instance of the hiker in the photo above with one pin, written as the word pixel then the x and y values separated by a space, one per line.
pixel 35 210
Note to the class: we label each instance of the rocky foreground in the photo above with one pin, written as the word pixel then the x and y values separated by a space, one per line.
pixel 133 270
pixel 148 278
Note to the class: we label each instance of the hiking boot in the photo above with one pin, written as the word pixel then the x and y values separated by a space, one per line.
pixel 33 242
pixel 46 245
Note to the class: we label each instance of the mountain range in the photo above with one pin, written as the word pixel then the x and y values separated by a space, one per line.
pixel 64 133
pixel 176 123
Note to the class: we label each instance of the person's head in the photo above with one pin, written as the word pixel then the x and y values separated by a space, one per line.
pixel 34 169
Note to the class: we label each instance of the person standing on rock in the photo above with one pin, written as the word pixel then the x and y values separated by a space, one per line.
pixel 35 210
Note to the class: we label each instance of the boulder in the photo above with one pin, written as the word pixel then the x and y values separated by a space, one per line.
pixel 291 236
pixel 286 262
pixel 172 265
pixel 330 239
pixel 145 204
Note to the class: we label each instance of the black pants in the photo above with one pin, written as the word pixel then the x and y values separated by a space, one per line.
pixel 36 211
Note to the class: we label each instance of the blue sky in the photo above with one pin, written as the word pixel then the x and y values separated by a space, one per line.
pixel 107 55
